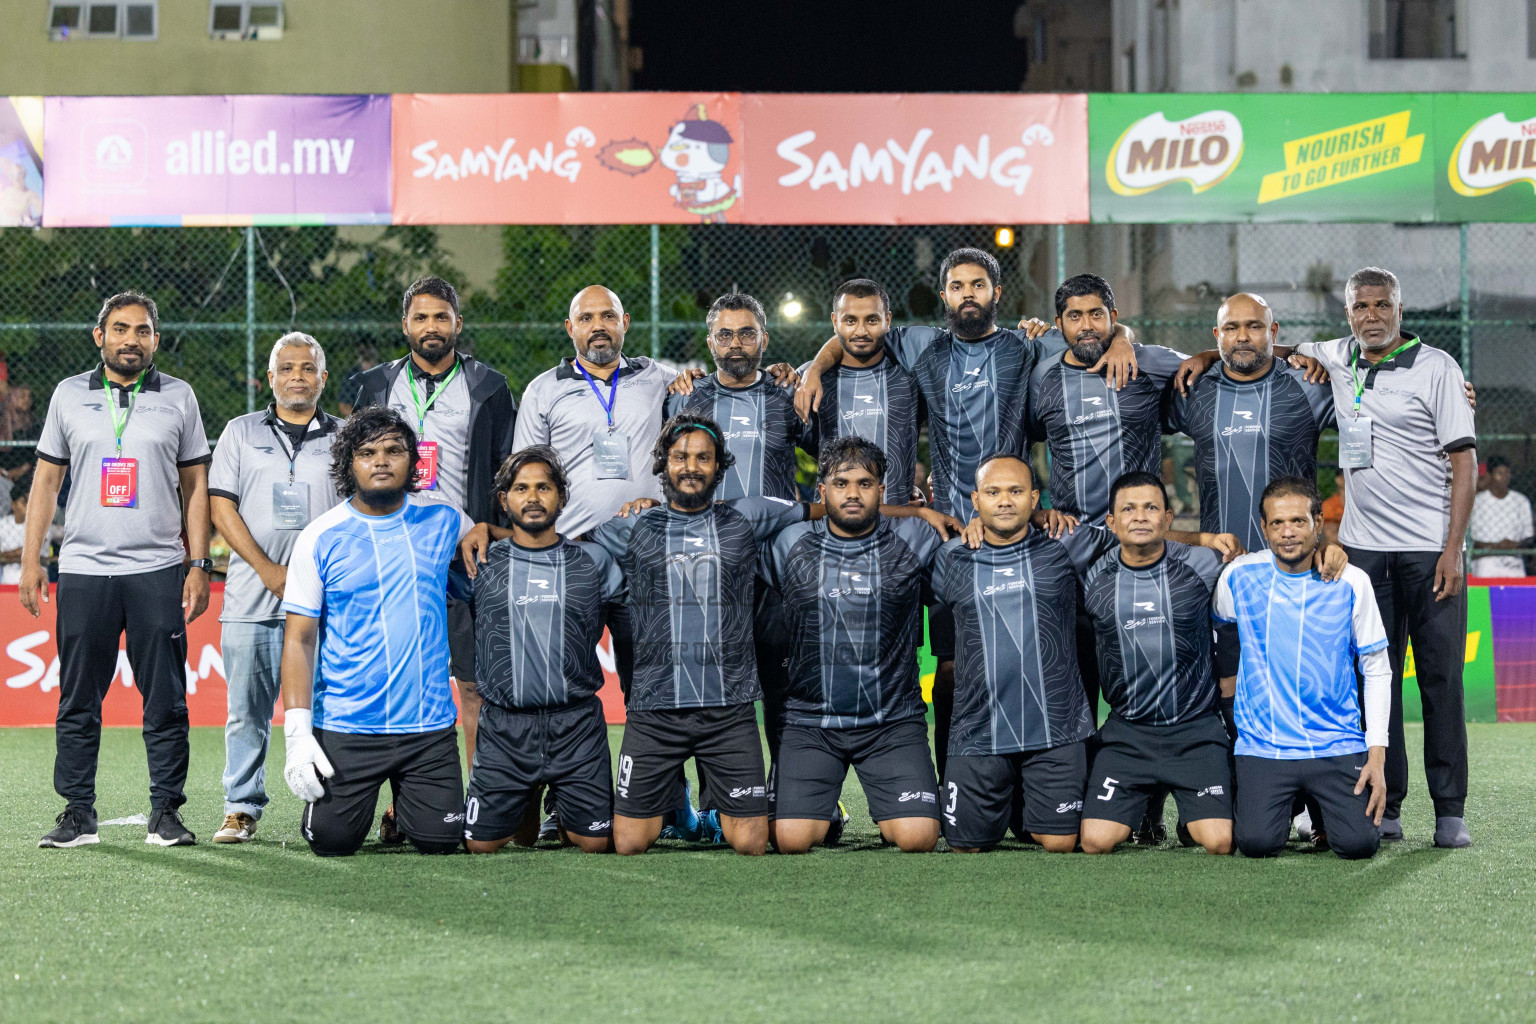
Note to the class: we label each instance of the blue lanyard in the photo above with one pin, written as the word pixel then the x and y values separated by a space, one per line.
pixel 613 385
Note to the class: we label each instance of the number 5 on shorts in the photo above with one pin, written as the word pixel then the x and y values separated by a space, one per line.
pixel 1109 788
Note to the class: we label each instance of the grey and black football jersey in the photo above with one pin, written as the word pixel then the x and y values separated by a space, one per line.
pixel 1095 433
pixel 690 578
pixel 1152 628
pixel 1247 433
pixel 977 398
pixel 854 609
pixel 1017 684
pixel 538 619
pixel 881 404
pixel 760 429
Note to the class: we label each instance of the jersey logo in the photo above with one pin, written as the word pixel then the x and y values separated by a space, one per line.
pixel 1246 414
pixel 740 791
pixel 262 448
pixel 744 420
pixel 543 584
pixel 1068 808
pixel 1094 400
pixel 1212 791
pixel 908 796
pixel 1002 572
pixel 1145 606
pixel 865 398
pixel 973 372
pixel 697 542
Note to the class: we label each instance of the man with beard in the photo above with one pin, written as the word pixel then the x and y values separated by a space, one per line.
pixel 1255 420
pixel 757 413
pixel 852 588
pixel 271 475
pixel 464 415
pixel 367 697
pixel 1018 743
pixel 132 436
pixel 539 601
pixel 868 394
pixel 974 378
pixel 689 568
pixel 1094 432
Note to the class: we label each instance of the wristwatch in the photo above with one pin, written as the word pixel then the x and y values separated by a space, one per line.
pixel 205 564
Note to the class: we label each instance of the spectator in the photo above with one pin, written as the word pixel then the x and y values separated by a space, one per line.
pixel 1501 518
pixel 1333 508
pixel 13 532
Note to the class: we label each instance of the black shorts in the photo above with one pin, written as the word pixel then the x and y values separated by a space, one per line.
pixel 422 770
pixel 1039 791
pixel 724 743
pixel 1134 760
pixel 1266 787
pixel 893 762
pixel 516 752
pixel 461 640
pixel 941 632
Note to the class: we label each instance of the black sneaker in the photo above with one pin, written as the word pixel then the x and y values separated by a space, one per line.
pixel 166 829
pixel 1152 832
pixel 71 828
pixel 549 830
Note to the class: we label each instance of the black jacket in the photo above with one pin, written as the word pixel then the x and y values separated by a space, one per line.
pixel 490 425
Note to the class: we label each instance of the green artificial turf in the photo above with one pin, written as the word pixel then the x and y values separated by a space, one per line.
pixel 267 932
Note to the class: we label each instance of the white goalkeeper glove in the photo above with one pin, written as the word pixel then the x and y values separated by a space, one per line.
pixel 307 763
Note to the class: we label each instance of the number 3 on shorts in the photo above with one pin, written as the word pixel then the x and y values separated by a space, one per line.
pixel 954 798
pixel 1109 788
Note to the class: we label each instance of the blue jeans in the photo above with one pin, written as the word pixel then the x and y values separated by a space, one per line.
pixel 253 654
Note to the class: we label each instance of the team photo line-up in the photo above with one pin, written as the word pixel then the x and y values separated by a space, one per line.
pixel 444 534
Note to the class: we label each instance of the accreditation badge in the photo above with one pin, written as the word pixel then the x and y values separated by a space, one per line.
pixel 1355 442
pixel 290 505
pixel 610 452
pixel 120 483
pixel 426 465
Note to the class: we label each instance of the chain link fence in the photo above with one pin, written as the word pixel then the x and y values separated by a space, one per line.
pixel 226 293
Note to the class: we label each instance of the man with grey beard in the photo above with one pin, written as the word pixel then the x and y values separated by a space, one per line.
pixel 270 477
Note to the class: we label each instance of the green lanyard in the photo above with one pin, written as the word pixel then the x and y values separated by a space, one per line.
pixel 120 425
pixel 1354 372
pixel 422 408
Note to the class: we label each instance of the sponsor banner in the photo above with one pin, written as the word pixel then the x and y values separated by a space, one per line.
pixel 29 670
pixel 21 161
pixel 568 158
pixel 916 159
pixel 217 160
pixel 1161 158
pixel 1485 156
pixel 1514 651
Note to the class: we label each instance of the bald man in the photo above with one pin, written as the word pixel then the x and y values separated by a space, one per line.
pixel 1256 420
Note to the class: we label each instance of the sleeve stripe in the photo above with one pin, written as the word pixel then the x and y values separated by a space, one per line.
pixel 313 613
pixel 54 459
pixel 201 460
pixel 1461 444
pixel 214 492
pixel 1373 648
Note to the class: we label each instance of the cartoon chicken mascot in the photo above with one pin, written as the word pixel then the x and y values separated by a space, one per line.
pixel 697 151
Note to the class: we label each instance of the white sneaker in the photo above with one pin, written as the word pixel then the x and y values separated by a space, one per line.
pixel 1303 823
pixel 238 828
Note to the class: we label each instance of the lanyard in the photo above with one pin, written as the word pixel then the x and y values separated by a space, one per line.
pixel 294 455
pixel 1354 368
pixel 613 384
pixel 120 425
pixel 422 408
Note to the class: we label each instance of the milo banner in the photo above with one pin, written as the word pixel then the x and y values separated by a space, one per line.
pixel 1485 156
pixel 1161 158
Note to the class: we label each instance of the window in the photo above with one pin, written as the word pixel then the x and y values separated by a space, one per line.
pixel 251 19
pixel 1418 29
pixel 116 20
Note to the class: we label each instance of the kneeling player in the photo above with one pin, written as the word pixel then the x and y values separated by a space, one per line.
pixel 539 602
pixel 1150 603
pixel 852 589
pixel 374 703
pixel 1297 711
pixel 1017 742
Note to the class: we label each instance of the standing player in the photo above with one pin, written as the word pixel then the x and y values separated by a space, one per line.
pixel 689 566
pixel 1095 432
pixel 367 696
pixel 1253 421
pixel 1017 744
pixel 271 475
pixel 866 393
pixel 1150 603
pixel 852 587
pixel 463 415
pixel 1298 714
pixel 539 602
pixel 757 414
pixel 974 378
pixel 133 437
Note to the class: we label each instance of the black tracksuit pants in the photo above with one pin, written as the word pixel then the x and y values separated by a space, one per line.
pixel 1405 593
pixel 94 612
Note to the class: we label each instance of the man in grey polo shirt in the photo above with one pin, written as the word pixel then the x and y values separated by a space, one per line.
pixel 1407 441
pixel 269 479
pixel 131 436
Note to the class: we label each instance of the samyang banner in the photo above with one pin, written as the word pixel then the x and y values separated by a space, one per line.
pixel 217 160
pixel 1209 157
